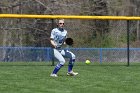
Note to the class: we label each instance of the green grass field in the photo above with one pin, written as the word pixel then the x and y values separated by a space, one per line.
pixel 33 77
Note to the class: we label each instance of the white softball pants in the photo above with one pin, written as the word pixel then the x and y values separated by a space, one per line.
pixel 60 54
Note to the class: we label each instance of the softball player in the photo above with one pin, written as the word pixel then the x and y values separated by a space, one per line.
pixel 57 39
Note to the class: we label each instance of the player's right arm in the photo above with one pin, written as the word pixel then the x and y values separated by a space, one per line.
pixel 53 43
pixel 52 39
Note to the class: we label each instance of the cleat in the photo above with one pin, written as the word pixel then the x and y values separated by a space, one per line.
pixel 72 73
pixel 53 75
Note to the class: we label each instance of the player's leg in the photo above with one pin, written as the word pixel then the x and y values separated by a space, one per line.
pixel 61 60
pixel 71 56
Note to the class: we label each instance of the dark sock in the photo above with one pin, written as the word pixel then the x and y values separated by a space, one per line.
pixel 70 66
pixel 57 68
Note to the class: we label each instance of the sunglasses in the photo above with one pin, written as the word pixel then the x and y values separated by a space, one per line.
pixel 61 23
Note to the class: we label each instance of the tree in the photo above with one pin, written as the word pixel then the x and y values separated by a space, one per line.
pixel 36 32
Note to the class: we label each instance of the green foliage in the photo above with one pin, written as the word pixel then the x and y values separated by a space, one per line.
pixel 133 37
pixel 123 38
pixel 105 41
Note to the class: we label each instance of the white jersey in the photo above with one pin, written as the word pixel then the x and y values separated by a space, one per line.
pixel 58 35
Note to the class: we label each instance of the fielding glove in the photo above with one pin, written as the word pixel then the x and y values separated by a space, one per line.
pixel 69 41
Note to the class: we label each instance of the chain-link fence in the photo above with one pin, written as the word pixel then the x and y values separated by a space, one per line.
pixel 101 41
pixel 86 33
pixel 106 56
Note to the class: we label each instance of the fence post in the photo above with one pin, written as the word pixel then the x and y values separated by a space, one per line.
pixel 52 51
pixel 128 50
pixel 100 55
